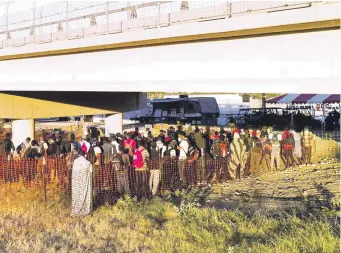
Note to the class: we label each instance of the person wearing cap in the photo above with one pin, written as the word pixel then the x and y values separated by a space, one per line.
pixel 238 157
pixel 183 148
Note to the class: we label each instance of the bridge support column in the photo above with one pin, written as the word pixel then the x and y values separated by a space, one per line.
pixel 21 129
pixel 113 124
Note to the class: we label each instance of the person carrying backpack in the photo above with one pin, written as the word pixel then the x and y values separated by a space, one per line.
pixel 183 148
pixel 288 146
pixel 23 147
pixel 140 164
pixel 121 164
pixel 155 167
pixel 109 150
pixel 130 144
pixel 191 166
pixel 33 151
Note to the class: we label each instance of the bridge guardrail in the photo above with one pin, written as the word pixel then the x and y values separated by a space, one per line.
pixel 63 20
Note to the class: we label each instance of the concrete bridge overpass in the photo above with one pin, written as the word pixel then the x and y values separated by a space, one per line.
pixel 223 47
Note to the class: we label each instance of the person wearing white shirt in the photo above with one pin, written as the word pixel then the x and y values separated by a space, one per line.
pixel 183 147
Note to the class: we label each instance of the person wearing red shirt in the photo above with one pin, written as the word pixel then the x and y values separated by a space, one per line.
pixel 130 144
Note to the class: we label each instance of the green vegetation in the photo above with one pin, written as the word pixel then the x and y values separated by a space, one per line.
pixel 158 225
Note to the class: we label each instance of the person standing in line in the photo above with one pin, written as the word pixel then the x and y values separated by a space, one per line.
pixel 108 150
pixel 82 187
pixel 308 147
pixel 298 146
pixel 8 145
pixel 200 143
pixel 275 151
pixel 238 157
pixel 183 148
pixel 140 164
pixel 288 147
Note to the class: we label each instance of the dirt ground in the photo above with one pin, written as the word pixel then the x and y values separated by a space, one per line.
pixel 298 190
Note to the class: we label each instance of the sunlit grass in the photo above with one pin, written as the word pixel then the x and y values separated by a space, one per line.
pixel 27 224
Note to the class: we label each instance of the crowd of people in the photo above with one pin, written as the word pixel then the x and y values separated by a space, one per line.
pixel 241 152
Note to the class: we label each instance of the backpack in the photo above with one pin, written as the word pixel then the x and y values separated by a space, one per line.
pixel 129 146
pixel 289 139
pixel 117 162
pixel 167 153
pixel 223 149
pixel 67 147
pixel 154 153
pixel 193 153
pixel 215 149
pixel 84 148
pixel 20 148
pixel 53 149
pixel 114 150
pixel 275 139
pixel 138 159
pixel 74 147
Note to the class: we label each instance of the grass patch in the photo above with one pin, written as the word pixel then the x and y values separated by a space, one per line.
pixel 158 225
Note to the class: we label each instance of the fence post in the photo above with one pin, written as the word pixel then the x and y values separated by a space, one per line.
pixel 67 17
pixel 44 174
pixel 228 9
pixel 34 22
pixel 7 30
pixel 159 13
pixel 107 15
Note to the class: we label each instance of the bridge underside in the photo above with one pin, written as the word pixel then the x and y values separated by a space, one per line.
pixel 45 104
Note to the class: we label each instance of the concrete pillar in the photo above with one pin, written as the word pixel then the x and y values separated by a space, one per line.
pixel 113 124
pixel 21 129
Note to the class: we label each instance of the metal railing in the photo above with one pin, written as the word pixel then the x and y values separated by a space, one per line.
pixel 64 20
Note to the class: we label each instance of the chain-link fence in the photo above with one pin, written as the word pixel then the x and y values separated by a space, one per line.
pixel 38 22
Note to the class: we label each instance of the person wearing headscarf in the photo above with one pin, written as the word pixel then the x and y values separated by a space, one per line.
pixel 238 157
pixel 81 203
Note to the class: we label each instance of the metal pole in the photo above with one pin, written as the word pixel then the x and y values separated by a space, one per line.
pixel 44 174
pixel 67 17
pixel 263 102
pixel 34 22
pixel 159 13
pixel 107 15
pixel 7 30
pixel 228 9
